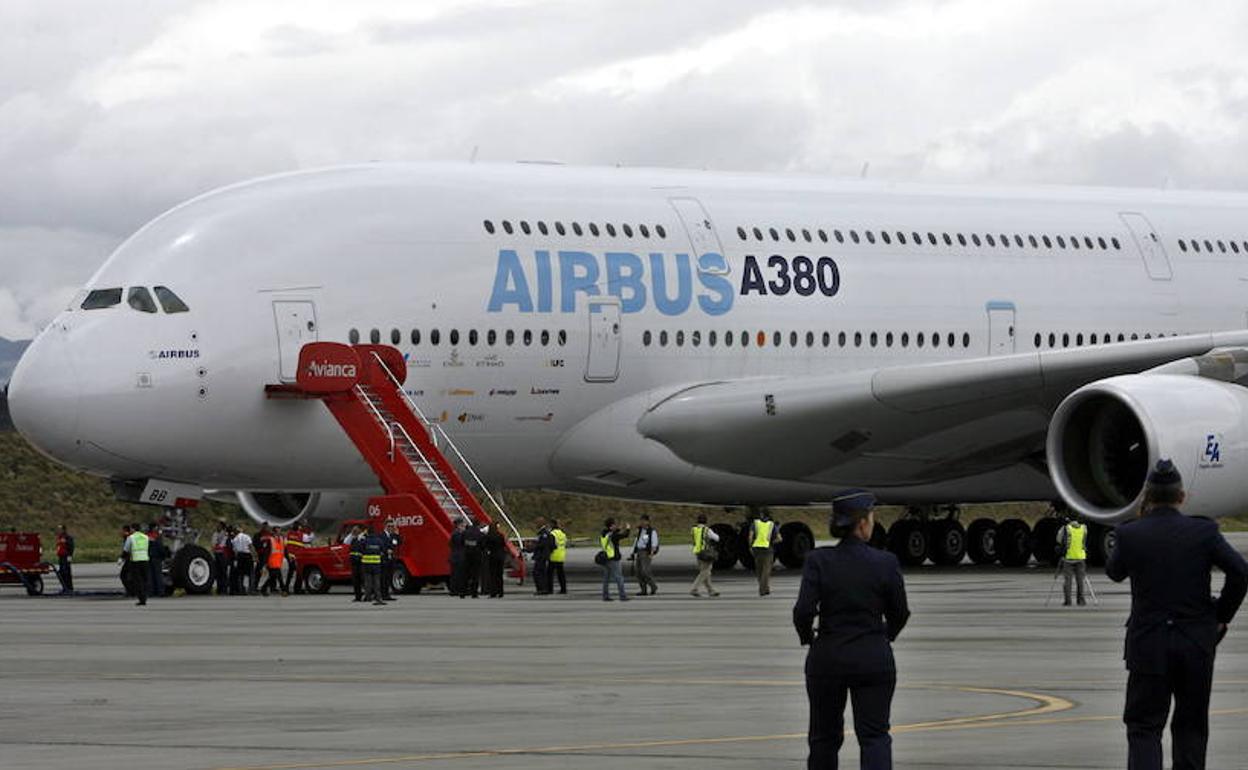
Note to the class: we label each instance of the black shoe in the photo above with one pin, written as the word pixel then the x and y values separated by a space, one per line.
pixel 564 591
pixel 1066 603
pixel 141 603
pixel 654 590
pixel 624 599
pixel 356 599
pixel 378 603
pixel 607 599
pixel 1083 602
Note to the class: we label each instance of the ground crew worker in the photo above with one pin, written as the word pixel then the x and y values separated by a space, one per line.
pixel 296 540
pixel 135 552
pixel 1072 543
pixel 372 547
pixel 645 548
pixel 558 555
pixel 1175 625
pixel 260 548
pixel 455 585
pixel 857 594
pixel 65 559
pixel 472 560
pixel 704 552
pixel 609 540
pixel 244 551
pixel 220 557
pixel 156 555
pixel 274 561
pixel 542 548
pixel 355 539
pixel 763 536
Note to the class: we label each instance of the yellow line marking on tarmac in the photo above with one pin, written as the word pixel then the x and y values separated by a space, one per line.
pixel 1044 704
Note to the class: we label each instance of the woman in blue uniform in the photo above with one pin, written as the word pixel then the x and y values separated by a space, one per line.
pixel 857 595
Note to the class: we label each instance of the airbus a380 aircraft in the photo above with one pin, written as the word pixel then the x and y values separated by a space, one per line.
pixel 670 335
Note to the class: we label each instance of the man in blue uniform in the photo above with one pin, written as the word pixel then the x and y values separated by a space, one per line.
pixel 857 594
pixel 1175 623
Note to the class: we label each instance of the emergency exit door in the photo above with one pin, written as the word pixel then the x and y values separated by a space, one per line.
pixel 296 326
pixel 1001 328
pixel 1149 245
pixel 603 362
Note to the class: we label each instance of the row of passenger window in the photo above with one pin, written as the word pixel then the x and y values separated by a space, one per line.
pixel 1195 245
pixel 1066 339
pixel 915 238
pixel 509 337
pixel 592 228
pixel 809 339
pixel 138 298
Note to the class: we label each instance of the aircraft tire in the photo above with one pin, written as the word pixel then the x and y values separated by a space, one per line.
pixel 909 541
pixel 981 541
pixel 314 579
pixel 744 554
pixel 728 545
pixel 193 570
pixel 1100 543
pixel 1044 539
pixel 796 540
pixel 946 542
pixel 879 536
pixel 1014 543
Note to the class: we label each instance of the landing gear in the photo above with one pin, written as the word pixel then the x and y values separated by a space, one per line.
pixel 1101 541
pixel 796 540
pixel 981 541
pixel 908 540
pixel 192 570
pixel 1014 543
pixel 879 536
pixel 729 546
pixel 947 542
pixel 1044 539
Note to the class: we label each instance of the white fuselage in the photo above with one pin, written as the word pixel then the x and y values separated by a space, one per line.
pixel 540 347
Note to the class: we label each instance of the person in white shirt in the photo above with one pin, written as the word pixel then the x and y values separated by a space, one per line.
pixel 644 551
pixel 244 561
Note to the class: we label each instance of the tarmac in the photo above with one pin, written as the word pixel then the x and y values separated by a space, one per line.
pixel 989 677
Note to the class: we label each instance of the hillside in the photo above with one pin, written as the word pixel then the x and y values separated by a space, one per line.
pixel 10 352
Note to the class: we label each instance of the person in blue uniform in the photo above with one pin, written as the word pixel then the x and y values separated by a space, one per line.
pixel 858 598
pixel 1175 623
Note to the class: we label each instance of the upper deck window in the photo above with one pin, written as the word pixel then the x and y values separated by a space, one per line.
pixel 99 299
pixel 171 302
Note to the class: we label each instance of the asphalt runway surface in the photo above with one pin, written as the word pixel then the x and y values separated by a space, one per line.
pixel 989 677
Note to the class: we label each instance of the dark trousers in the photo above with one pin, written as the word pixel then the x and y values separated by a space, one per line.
pixel 455 585
pixel 872 695
pixel 137 578
pixel 357 579
pixel 541 575
pixel 472 573
pixel 1188 680
pixel 156 568
pixel 387 579
pixel 372 584
pixel 242 574
pixel 223 572
pixel 274 581
pixel 65 568
pixel 556 571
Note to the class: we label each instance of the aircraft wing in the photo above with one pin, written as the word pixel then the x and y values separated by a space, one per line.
pixel 897 425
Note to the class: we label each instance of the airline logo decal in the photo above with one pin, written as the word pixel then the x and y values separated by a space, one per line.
pixel 327 367
pixel 1212 456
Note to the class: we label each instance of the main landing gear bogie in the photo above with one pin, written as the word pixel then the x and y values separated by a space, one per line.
pixel 918 538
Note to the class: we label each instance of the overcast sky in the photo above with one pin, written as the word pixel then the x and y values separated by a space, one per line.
pixel 111 112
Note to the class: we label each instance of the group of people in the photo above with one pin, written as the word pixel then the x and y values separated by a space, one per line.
pixel 262 563
pixel 373 558
pixel 479 560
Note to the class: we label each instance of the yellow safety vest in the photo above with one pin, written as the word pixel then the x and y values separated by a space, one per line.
pixel 698 537
pixel 1076 545
pixel 762 533
pixel 370 558
pixel 608 546
pixel 138 546
pixel 560 553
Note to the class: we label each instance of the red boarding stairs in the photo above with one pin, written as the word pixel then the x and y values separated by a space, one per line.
pixel 362 385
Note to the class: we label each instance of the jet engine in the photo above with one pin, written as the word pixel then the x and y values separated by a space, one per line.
pixel 281 509
pixel 1104 438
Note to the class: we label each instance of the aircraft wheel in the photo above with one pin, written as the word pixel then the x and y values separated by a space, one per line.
pixel 315 581
pixel 981 541
pixel 1014 543
pixel 728 545
pixel 1100 543
pixel 193 570
pixel 908 539
pixel 947 543
pixel 879 536
pixel 744 554
pixel 1044 539
pixel 34 585
pixel 796 540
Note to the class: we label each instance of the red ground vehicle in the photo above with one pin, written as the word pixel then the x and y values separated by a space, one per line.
pixel 21 561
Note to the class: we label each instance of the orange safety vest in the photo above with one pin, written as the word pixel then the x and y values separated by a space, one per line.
pixel 277 552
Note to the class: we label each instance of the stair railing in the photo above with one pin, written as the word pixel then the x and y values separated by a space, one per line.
pixel 433 470
pixel 373 408
pixel 436 431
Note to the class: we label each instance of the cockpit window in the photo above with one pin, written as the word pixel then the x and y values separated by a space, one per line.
pixel 140 299
pixel 99 299
pixel 171 302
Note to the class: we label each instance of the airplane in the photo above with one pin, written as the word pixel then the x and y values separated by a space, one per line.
pixel 716 338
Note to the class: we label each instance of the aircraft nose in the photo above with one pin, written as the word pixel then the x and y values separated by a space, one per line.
pixel 44 396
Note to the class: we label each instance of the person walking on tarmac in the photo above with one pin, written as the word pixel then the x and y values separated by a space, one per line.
pixel 372 549
pixel 355 539
pixel 156 555
pixel 558 555
pixel 244 553
pixel 472 560
pixel 1072 544
pixel 763 537
pixel 65 559
pixel 645 548
pixel 612 572
pixel 455 585
pixel 857 595
pixel 704 539
pixel 542 549
pixel 220 557
pixel 274 561
pixel 1175 624
pixel 135 553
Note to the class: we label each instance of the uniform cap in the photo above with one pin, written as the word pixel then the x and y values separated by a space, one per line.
pixel 850 506
pixel 1165 475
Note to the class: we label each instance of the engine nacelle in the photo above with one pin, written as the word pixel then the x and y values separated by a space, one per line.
pixel 281 509
pixel 1104 438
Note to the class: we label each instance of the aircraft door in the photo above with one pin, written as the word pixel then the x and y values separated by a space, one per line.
pixel 702 235
pixel 296 326
pixel 603 361
pixel 1153 253
pixel 1001 334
